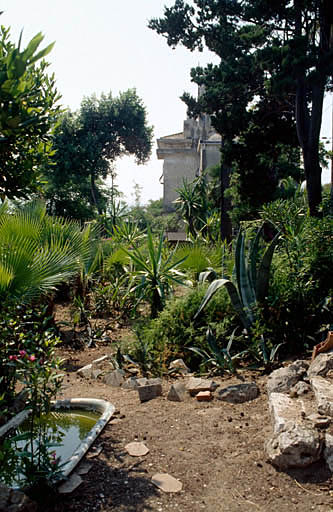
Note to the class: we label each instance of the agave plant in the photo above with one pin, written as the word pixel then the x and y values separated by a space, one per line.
pixel 155 272
pixel 250 279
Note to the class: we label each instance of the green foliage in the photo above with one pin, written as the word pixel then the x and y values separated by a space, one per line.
pixel 27 351
pixel 21 328
pixel 273 57
pixel 250 285
pixel 173 332
pixel 38 252
pixel 198 257
pixel 192 204
pixel 116 297
pixel 152 216
pixel 87 144
pixel 155 274
pixel 28 112
pixel 299 306
pixel 215 359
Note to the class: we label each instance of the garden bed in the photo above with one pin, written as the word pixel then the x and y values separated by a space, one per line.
pixel 214 448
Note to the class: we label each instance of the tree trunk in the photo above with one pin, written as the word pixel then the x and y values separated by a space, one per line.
pixel 313 181
pixel 94 193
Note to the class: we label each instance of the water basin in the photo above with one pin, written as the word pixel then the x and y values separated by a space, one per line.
pixel 74 424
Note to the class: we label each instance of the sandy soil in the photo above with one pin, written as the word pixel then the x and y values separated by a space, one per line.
pixel 215 449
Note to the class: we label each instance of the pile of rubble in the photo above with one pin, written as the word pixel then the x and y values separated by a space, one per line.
pixel 301 405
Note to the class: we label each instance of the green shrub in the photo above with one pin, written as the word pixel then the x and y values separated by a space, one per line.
pixel 174 331
pixel 299 308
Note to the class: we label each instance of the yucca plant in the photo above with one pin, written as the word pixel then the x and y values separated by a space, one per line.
pixel 155 273
pixel 249 286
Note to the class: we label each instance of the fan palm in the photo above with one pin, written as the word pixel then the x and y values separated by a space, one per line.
pixel 37 252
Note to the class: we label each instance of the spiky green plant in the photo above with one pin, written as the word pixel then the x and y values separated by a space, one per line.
pixel 155 273
pixel 250 280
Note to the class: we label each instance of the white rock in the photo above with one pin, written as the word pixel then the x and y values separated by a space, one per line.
pixel 179 366
pixel 295 447
pixel 300 388
pixel 166 483
pixel 323 391
pixel 136 449
pixel 285 412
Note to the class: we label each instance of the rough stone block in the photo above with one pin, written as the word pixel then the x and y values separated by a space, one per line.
pixel 295 447
pixel 131 383
pixel 149 392
pixel 179 366
pixel 177 392
pixel 284 411
pixel 239 393
pixel 85 371
pixel 142 381
pixel 115 378
pixel 328 451
pixel 321 365
pixel 300 388
pixel 281 380
pixel 323 391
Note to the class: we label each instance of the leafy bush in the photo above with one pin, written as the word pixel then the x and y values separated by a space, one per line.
pixel 21 329
pixel 299 307
pixel 174 331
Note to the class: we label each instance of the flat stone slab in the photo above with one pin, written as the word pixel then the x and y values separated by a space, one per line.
pixel 323 391
pixel 84 468
pixel 177 392
pixel 166 483
pixel 239 393
pixel 136 449
pixel 71 484
pixel 284 411
pixel 195 384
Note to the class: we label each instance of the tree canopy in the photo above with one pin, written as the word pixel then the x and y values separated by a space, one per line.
pixel 28 112
pixel 87 143
pixel 277 52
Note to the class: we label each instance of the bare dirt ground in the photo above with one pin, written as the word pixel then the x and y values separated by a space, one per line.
pixel 214 448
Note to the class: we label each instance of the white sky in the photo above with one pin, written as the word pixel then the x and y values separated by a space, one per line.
pixel 105 45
